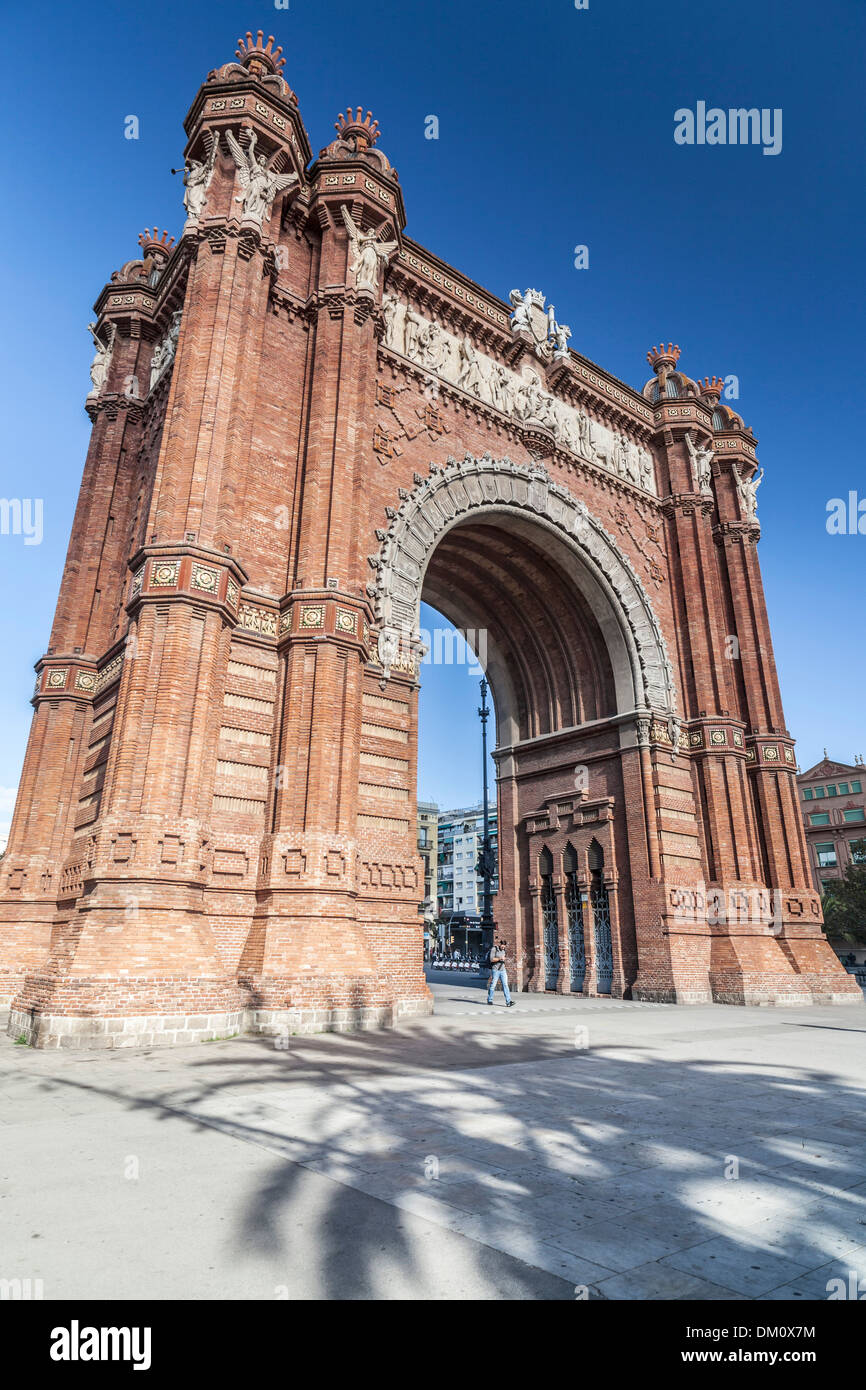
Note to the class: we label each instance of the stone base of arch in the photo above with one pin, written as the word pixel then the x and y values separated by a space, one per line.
pixel 24 943
pixel 673 967
pixel 742 967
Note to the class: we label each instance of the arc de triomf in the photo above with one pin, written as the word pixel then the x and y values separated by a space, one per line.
pixel 303 424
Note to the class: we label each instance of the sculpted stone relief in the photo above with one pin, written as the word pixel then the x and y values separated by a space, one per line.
pixel 523 396
pixel 747 488
pixel 196 178
pixel 164 352
pixel 701 461
pixel 102 360
pixel 368 253
pixel 260 184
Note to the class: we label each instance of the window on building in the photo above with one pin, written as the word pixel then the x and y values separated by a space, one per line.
pixel 820 818
pixel 855 787
pixel 831 791
pixel 807 794
pixel 857 850
pixel 819 792
pixel 826 855
pixel 842 788
pixel 857 813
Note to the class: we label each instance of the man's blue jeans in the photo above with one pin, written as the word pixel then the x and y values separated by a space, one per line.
pixel 498 973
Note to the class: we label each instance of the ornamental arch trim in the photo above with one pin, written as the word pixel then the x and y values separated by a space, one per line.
pixel 473 486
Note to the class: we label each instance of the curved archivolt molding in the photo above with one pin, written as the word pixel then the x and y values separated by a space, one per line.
pixel 475 485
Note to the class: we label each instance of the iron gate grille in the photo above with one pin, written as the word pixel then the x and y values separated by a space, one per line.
pixel 603 943
pixel 551 936
pixel 576 946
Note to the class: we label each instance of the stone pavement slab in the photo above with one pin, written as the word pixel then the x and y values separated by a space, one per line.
pixel 635 1151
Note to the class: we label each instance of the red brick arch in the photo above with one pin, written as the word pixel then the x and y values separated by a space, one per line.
pixel 216 823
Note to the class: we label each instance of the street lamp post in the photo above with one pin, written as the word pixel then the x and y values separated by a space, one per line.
pixel 486 858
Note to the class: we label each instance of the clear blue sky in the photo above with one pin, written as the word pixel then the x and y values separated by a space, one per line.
pixel 556 129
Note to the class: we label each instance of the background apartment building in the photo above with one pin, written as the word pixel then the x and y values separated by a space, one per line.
pixel 834 816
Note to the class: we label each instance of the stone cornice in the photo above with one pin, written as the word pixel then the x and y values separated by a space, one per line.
pixel 186 572
pixel 737 532
pixel 245 100
pixel 114 403
pixel 77 676
pixel 353 178
pixel 771 751
pixel 688 503
pixel 325 615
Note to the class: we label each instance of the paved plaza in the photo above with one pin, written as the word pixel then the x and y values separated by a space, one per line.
pixel 564 1148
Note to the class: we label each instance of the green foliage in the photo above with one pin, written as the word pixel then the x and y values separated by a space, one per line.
pixel 845 906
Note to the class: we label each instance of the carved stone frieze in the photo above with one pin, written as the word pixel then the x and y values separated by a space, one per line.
pixel 522 397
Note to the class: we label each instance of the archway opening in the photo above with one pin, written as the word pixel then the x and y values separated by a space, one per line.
pixel 508 589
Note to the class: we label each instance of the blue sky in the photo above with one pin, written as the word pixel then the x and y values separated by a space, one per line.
pixel 555 129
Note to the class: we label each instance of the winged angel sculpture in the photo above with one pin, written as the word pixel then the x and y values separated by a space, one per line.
pixel 367 251
pixel 259 183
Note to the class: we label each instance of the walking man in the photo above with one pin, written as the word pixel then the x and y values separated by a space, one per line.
pixel 498 973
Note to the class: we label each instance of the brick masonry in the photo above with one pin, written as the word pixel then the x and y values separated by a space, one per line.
pixel 215 828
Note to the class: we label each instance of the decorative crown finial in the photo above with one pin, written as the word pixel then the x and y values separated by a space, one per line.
pixel 711 389
pixel 259 57
pixel 152 241
pixel 666 357
pixel 366 131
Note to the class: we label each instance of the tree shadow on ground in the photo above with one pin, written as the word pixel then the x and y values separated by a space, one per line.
pixel 578 1161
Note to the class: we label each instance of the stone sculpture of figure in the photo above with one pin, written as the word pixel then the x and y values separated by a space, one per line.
pixel 157 362
pixel 520 319
pixel 617 458
pixel 563 426
pixel 388 646
pixel 632 460
pixel 547 411
pixel 196 178
pixel 701 459
pixel 748 489
pixel 394 314
pixel 413 331
pixel 529 398
pixel 432 344
pixel 469 375
pixel 496 380
pixel 426 342
pixel 259 183
pixel 587 436
pixel 163 354
pixel 100 364
pixel 647 473
pixel 368 253
pixel 561 335
pixel 570 434
pixel 506 391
